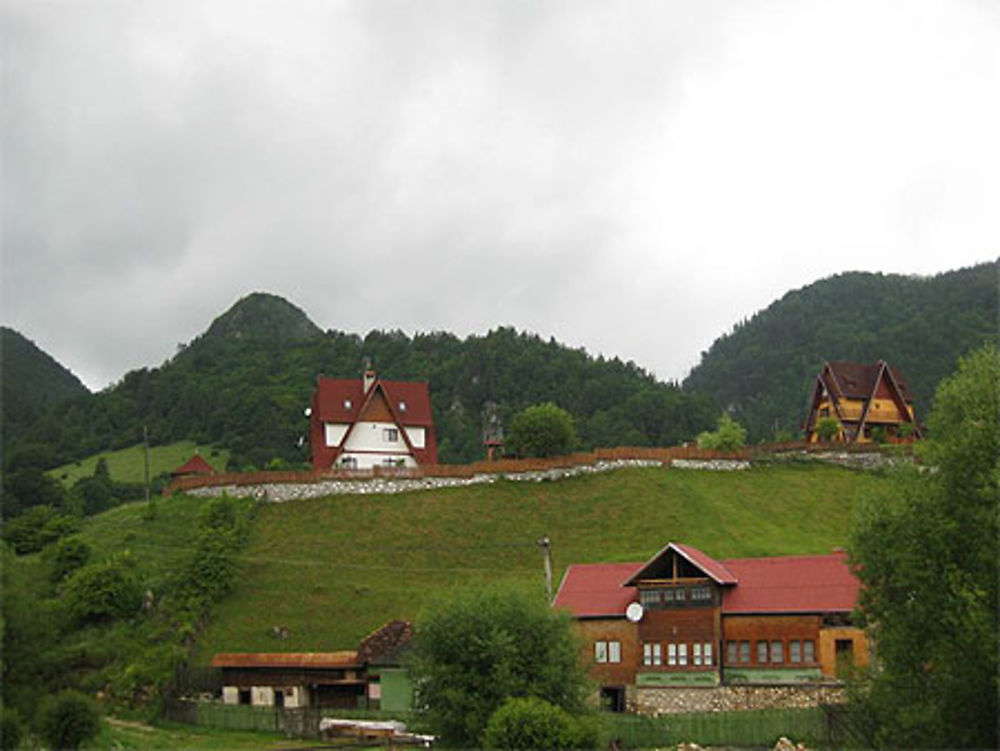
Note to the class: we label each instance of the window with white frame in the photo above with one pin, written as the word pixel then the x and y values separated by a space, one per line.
pixel 682 654
pixel 777 651
pixel 706 653
pixel 696 654
pixel 671 654
pixel 390 435
pixel 809 651
pixel 600 651
pixel 652 654
pixel 795 651
pixel 614 651
pixel 607 651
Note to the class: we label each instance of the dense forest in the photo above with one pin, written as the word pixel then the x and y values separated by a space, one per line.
pixel 762 371
pixel 244 385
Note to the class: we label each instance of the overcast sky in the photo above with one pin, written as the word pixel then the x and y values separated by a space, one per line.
pixel 630 177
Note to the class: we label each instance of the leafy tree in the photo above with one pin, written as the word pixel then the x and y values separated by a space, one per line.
pixel 38 527
pixel 68 555
pixel 104 591
pixel 69 720
pixel 542 430
pixel 11 729
pixel 728 435
pixel 533 723
pixel 485 646
pixel 927 557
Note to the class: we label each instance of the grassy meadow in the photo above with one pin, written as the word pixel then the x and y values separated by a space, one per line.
pixel 331 570
pixel 127 465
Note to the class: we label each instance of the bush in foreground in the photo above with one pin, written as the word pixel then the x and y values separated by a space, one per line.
pixel 68 720
pixel 533 723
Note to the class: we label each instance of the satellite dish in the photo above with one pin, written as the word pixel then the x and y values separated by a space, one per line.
pixel 634 612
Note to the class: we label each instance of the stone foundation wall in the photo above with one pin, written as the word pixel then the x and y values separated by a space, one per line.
pixel 657 701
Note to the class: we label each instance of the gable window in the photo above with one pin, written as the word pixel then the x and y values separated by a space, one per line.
pixel 652 654
pixel 701 593
pixel 390 435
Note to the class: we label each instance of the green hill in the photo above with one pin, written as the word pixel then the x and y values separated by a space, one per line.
pixel 763 369
pixel 331 570
pixel 31 383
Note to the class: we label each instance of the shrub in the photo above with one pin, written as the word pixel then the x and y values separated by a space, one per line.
pixel 542 430
pixel 729 435
pixel 104 591
pixel 69 554
pixel 11 729
pixel 827 428
pixel 68 720
pixel 532 723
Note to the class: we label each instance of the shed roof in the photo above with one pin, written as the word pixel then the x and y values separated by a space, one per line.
pixel 316 660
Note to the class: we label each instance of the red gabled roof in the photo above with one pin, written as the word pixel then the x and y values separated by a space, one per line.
pixel 591 590
pixel 788 584
pixel 332 393
pixel 791 584
pixel 194 466
pixel 712 568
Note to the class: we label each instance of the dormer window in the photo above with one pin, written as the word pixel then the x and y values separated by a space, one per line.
pixel 347 403
pixel 402 406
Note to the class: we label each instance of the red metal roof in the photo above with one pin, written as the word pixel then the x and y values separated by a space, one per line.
pixel 317 660
pixel 196 465
pixel 712 568
pixel 596 589
pixel 791 584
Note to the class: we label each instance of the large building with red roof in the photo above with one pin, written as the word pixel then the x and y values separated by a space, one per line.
pixel 685 619
pixel 371 422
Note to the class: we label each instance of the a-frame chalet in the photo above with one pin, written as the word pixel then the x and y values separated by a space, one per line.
pixel 863 399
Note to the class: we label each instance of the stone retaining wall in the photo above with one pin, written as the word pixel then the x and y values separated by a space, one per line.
pixel 281 492
pixel 656 701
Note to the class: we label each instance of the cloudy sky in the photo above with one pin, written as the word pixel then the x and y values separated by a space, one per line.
pixel 630 177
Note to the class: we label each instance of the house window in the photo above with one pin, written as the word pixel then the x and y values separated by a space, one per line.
pixel 732 652
pixel 701 594
pixel 668 595
pixel 761 652
pixel 671 654
pixel 600 651
pixel 347 403
pixel 682 654
pixel 349 462
pixel 649 598
pixel 402 406
pixel 809 651
pixel 679 595
pixel 706 653
pixel 745 651
pixel 652 654
pixel 696 654
pixel 795 651
pixel 390 435
pixel 776 652
pixel 607 651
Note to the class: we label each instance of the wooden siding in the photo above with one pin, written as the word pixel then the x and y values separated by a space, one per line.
pixel 610 629
pixel 784 628
pixel 828 638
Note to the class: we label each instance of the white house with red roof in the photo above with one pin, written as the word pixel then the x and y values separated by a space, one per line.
pixel 685 619
pixel 371 422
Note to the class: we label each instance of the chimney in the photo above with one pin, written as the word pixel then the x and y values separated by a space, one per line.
pixel 369 380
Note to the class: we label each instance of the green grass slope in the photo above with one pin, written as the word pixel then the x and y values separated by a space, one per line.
pixel 128 464
pixel 331 570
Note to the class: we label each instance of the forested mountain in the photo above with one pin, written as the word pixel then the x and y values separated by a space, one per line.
pixel 31 382
pixel 245 382
pixel 763 370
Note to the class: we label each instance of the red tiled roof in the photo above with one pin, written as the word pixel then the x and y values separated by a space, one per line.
pixel 791 584
pixel 596 589
pixel 333 392
pixel 318 660
pixel 196 465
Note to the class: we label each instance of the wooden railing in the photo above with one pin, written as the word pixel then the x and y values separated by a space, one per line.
pixel 504 466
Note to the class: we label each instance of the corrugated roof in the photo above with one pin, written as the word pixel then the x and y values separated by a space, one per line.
pixel 316 660
pixel 596 589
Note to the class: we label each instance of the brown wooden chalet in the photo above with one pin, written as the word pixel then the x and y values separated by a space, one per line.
pixel 685 619
pixel 863 400
pixel 371 422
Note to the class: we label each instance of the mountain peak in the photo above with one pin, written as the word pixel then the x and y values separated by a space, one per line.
pixel 261 315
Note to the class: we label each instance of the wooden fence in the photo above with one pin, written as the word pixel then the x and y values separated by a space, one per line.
pixel 505 466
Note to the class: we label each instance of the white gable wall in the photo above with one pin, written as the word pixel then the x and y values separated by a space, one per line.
pixel 417 437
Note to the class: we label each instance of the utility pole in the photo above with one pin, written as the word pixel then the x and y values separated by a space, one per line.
pixel 546 545
pixel 145 455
